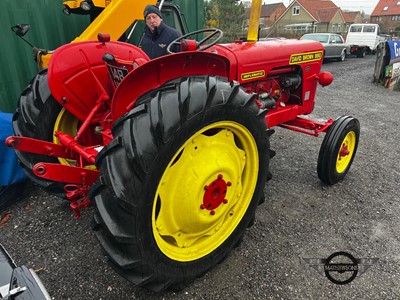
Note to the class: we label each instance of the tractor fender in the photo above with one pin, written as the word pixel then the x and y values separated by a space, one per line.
pixel 78 76
pixel 153 74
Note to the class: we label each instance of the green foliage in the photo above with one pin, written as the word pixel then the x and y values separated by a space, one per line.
pixel 227 15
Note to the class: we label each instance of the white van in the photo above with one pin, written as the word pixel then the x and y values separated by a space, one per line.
pixel 364 38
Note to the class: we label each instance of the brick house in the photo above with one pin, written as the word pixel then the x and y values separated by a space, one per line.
pixel 304 16
pixel 352 17
pixel 387 15
pixel 269 14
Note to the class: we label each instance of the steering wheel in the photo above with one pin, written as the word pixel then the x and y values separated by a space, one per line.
pixel 198 47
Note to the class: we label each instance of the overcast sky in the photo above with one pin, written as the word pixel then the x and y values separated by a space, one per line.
pixel 362 5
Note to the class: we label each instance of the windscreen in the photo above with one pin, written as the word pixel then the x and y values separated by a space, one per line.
pixel 323 38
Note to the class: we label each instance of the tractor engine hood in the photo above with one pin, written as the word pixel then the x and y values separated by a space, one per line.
pixel 255 60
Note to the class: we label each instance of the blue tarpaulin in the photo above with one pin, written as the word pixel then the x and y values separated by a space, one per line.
pixel 10 171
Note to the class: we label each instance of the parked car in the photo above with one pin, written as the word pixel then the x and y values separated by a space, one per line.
pixel 19 283
pixel 334 44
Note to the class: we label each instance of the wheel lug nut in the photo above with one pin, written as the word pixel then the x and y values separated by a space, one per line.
pixel 202 206
pixel 225 201
pixel 212 212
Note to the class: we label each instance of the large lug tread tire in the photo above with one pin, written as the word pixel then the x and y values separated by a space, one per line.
pixel 343 133
pixel 35 117
pixel 148 142
pixel 13 193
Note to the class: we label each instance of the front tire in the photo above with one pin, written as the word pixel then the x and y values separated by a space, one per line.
pixel 338 150
pixel 181 181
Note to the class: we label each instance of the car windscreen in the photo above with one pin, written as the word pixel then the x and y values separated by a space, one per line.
pixel 316 37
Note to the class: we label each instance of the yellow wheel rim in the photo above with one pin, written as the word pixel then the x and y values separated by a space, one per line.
pixel 205 191
pixel 346 152
pixel 66 123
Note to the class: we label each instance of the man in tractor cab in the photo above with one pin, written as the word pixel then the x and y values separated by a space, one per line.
pixel 157 35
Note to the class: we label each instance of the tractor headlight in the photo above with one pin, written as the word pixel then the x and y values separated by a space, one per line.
pixel 86 6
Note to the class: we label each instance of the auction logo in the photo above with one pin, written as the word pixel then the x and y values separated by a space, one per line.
pixel 341 267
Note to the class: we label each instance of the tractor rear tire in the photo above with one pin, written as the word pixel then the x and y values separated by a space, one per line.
pixel 35 117
pixel 181 181
pixel 338 149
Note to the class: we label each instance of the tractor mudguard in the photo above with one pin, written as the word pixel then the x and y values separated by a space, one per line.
pixel 157 72
pixel 78 76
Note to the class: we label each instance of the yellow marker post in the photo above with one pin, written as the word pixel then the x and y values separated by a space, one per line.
pixel 255 13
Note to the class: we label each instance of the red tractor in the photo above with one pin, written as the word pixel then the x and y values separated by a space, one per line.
pixel 174 152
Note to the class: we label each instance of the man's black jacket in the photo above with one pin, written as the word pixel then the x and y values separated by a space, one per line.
pixel 155 43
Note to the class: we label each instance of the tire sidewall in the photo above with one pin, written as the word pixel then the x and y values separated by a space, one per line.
pixel 337 139
pixel 165 265
pixel 343 55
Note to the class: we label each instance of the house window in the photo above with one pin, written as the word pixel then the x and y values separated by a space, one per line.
pixel 296 10
pixel 334 27
pixel 378 19
pixel 300 28
pixel 386 8
pixel 394 18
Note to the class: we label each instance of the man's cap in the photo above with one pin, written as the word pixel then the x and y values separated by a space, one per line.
pixel 149 9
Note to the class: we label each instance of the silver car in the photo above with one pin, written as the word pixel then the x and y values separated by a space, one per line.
pixel 334 45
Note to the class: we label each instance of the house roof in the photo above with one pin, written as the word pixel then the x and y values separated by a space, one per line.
pixel 350 16
pixel 387 8
pixel 266 10
pixel 320 10
pixel 326 15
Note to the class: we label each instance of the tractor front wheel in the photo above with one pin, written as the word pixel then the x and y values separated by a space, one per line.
pixel 181 181
pixel 338 149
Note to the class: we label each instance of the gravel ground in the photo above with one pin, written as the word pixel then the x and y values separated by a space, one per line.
pixel 301 218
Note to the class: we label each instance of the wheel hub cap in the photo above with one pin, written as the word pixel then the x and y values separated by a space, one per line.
pixel 215 193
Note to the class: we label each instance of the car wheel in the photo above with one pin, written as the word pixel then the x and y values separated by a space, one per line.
pixel 361 53
pixel 342 55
